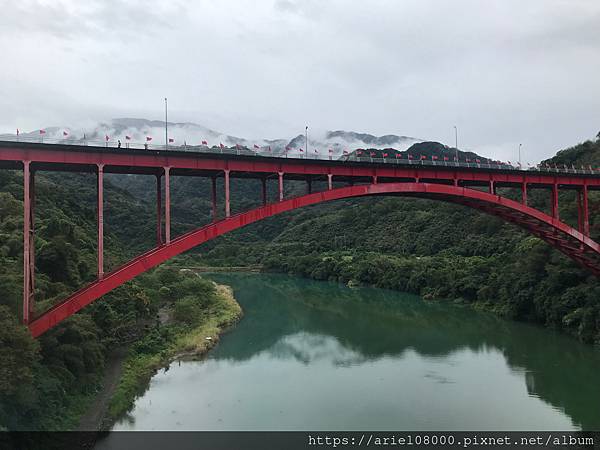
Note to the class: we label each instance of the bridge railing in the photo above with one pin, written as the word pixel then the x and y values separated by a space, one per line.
pixel 265 152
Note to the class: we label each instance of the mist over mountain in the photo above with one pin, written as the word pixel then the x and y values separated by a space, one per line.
pixel 192 134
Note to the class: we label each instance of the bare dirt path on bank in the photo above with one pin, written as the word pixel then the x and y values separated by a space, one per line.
pixel 93 418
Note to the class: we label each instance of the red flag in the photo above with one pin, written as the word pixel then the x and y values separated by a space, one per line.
pixel 445 158
pixel 42 131
pixel 287 149
pixel 65 133
pixel 316 151
pixel 330 150
pixel 221 145
pixel 372 154
pixel 345 152
pixel 359 152
pixel 398 155
pixel 171 140
pixel 148 138
pixel 434 157
pixel 477 161
pixel 301 151
pixel 468 160
pixel 423 157
pixel 128 137
pixel 256 146
pixel 410 156
pixel 385 155
pixel 237 146
pixel 509 163
pixel 204 143
pixel 106 137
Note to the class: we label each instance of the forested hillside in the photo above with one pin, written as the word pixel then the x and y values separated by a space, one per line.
pixel 441 251
pixel 438 250
pixel 46 384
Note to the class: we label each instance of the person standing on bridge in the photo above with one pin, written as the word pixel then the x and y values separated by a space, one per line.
pixel 119 143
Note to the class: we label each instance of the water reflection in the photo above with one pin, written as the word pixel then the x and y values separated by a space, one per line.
pixel 373 359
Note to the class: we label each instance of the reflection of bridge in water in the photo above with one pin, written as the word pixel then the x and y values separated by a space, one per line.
pixel 473 185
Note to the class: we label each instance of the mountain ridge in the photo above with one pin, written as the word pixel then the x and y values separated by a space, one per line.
pixel 193 134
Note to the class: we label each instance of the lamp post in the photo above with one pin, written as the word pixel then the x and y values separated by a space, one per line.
pixel 166 132
pixel 520 155
pixel 306 140
pixel 456 142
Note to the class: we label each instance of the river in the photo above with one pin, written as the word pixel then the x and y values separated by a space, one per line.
pixel 312 355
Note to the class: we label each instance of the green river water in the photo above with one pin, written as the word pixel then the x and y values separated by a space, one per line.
pixel 312 355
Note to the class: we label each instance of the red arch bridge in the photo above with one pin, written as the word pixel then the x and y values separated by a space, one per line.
pixel 472 185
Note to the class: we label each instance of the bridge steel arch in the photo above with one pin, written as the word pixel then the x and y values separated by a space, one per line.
pixel 565 238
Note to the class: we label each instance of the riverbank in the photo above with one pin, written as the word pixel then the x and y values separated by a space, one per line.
pixel 128 374
pixel 255 268
pixel 484 283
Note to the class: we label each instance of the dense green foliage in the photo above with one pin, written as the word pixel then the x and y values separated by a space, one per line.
pixel 47 383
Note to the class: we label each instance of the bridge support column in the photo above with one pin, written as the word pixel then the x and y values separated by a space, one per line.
pixel 555 201
pixel 159 240
pixel 308 186
pixel 264 190
pixel 32 244
pixel 524 194
pixel 213 195
pixel 227 204
pixel 100 217
pixel 280 175
pixel 583 212
pixel 586 212
pixel 167 205
pixel 329 181
pixel 492 187
pixel 28 242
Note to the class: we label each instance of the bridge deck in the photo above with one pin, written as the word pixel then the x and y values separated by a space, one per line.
pixel 248 164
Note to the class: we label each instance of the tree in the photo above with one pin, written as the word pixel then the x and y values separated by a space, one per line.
pixel 18 353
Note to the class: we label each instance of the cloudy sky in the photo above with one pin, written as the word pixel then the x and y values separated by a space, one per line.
pixel 504 71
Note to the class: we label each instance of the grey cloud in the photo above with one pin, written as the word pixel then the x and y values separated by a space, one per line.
pixel 504 71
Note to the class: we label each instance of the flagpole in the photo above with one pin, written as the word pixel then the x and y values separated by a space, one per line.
pixel 166 132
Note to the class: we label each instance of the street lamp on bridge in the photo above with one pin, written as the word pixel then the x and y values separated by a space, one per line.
pixel 166 132
pixel 306 140
pixel 520 155
pixel 456 141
